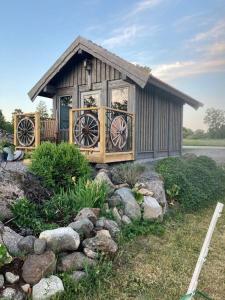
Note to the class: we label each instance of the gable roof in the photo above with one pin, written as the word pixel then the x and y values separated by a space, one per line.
pixel 136 73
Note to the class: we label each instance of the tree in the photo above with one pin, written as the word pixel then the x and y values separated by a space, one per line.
pixel 5 125
pixel 199 134
pixel 215 119
pixel 42 109
pixel 187 132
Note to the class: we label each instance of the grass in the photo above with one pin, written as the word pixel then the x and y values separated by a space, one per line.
pixel 160 267
pixel 204 142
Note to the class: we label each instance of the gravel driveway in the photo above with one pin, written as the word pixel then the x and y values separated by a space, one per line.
pixel 217 153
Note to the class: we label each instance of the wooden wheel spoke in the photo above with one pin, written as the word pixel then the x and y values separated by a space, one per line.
pixel 25 132
pixel 119 132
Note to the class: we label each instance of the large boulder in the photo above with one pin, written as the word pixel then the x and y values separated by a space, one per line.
pixel 61 239
pixel 12 294
pixel 86 213
pixel 11 239
pixel 47 288
pixel 36 267
pixel 84 227
pixel 101 243
pixel 75 261
pixel 131 207
pixel 152 182
pixel 152 209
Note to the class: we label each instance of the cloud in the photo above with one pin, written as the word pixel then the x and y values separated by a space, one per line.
pixel 178 69
pixel 143 6
pixel 122 37
pixel 216 32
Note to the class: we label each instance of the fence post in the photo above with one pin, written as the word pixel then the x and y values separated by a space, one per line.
pixel 71 126
pixel 37 129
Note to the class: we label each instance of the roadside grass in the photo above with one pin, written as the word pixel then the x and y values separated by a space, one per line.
pixel 160 267
pixel 204 142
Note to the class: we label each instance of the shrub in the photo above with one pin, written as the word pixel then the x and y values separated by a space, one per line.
pixel 62 207
pixel 127 173
pixel 28 215
pixel 59 165
pixel 199 180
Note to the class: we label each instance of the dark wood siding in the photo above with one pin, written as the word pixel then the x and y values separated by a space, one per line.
pixel 158 123
pixel 75 74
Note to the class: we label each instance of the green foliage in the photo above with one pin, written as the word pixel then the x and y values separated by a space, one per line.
pixel 172 193
pixel 5 257
pixel 42 109
pixel 137 195
pixel 200 180
pixel 127 173
pixel 63 206
pixel 96 278
pixel 141 227
pixel 59 165
pixel 28 215
pixel 5 125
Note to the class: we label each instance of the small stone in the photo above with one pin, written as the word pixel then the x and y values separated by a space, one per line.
pixel 47 288
pixel 61 239
pixel 37 266
pixel 9 294
pixel 102 177
pixel 84 227
pixel 77 275
pixel 26 288
pixel 86 213
pixel 2 281
pixel 101 243
pixel 145 192
pixel 11 239
pixel 126 220
pixel 96 211
pixel 26 244
pixel 91 254
pixel 11 278
pixel 39 246
pixel 74 262
pixel 112 227
pixel 152 209
pixel 100 223
pixel 103 232
pixel 116 216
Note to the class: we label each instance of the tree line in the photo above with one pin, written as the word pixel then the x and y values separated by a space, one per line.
pixel 215 121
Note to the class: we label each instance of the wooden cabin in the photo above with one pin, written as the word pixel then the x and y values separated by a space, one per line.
pixel 112 109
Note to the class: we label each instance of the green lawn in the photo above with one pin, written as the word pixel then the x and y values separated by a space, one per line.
pixel 204 142
pixel 160 268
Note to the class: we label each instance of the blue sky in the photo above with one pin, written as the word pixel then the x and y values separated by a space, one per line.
pixel 182 41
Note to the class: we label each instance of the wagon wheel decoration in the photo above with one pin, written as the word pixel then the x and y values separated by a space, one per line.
pixel 86 131
pixel 119 132
pixel 25 132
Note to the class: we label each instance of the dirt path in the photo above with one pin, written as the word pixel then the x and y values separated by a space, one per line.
pixel 160 268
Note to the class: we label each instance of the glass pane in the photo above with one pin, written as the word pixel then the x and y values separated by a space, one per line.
pixel 65 104
pixel 90 99
pixel 120 98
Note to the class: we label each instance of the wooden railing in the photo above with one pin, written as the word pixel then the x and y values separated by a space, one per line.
pixel 115 140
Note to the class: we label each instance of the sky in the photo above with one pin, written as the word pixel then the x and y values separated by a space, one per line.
pixel 182 41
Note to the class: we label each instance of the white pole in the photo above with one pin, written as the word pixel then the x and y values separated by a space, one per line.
pixel 204 251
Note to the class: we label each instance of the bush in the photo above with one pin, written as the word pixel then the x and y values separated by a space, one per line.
pixel 199 181
pixel 128 173
pixel 28 215
pixel 59 165
pixel 5 257
pixel 63 206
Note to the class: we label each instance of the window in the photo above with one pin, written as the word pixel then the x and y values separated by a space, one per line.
pixel 119 98
pixel 90 99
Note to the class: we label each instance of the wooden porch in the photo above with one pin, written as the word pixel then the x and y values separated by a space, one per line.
pixel 103 134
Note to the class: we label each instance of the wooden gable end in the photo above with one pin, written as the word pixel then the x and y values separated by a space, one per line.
pixel 74 73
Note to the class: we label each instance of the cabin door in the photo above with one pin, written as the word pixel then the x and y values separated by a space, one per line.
pixel 65 103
